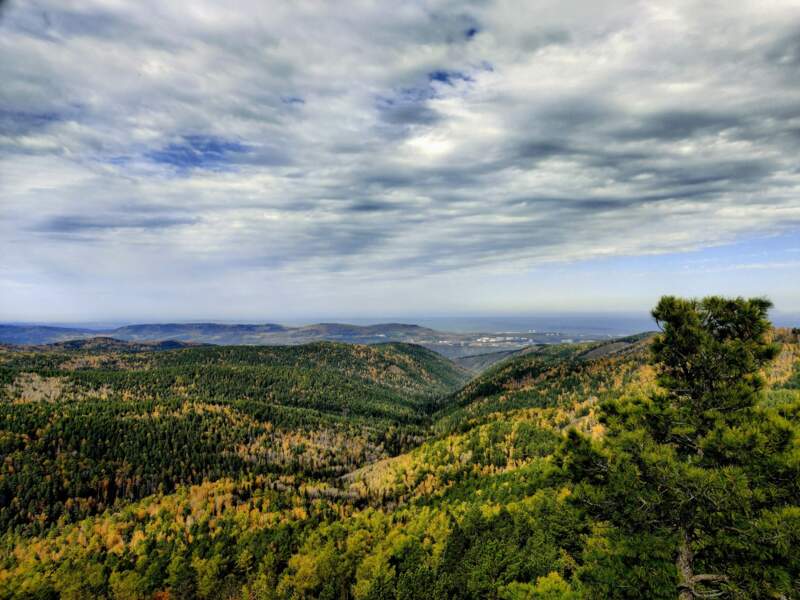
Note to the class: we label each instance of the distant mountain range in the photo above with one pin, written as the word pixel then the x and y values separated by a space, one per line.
pixel 217 333
pixel 272 334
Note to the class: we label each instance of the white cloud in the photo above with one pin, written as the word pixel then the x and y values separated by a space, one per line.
pixel 149 147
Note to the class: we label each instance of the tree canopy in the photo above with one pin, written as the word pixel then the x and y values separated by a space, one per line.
pixel 694 488
pixel 657 466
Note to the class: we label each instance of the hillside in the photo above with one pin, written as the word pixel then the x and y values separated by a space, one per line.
pixel 450 344
pixel 477 363
pixel 546 376
pixel 84 428
pixel 222 334
pixel 512 414
pixel 479 508
pixel 40 334
pixel 108 344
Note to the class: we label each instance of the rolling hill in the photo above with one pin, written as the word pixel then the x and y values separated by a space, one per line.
pixel 220 333
pixel 450 344
pixel 93 423
pixel 319 471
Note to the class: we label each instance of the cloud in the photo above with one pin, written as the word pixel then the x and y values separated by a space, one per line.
pixel 435 138
pixel 197 151
pixel 72 225
pixel 13 122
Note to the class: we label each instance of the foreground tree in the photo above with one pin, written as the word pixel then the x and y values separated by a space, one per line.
pixel 694 490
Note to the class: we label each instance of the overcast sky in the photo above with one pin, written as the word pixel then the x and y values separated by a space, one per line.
pixel 274 160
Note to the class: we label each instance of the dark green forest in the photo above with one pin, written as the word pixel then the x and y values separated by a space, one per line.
pixel 657 466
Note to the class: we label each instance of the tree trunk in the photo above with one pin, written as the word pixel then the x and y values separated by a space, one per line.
pixel 684 566
pixel 691 586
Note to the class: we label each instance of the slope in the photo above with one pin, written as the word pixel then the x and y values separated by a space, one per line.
pixel 81 430
pixel 480 510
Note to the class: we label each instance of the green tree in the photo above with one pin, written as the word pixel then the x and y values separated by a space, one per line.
pixel 693 492
pixel 128 585
pixel 180 575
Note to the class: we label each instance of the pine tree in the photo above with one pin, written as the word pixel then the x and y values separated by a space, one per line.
pixel 694 491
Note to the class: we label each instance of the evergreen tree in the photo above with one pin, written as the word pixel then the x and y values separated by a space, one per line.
pixel 694 491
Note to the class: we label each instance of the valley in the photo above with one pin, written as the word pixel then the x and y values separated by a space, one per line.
pixel 323 470
pixel 427 300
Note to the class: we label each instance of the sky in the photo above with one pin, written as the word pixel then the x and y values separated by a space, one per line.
pixel 271 160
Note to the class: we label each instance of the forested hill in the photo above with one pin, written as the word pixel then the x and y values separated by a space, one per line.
pixel 83 429
pixel 449 343
pixel 222 333
pixel 513 414
pixel 547 376
pixel 331 471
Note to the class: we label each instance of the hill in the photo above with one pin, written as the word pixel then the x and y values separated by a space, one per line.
pixel 473 503
pixel 511 414
pixel 449 344
pixel 220 333
pixel 477 363
pixel 85 425
pixel 107 344
pixel 40 334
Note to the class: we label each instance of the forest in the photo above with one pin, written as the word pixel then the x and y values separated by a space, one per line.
pixel 661 465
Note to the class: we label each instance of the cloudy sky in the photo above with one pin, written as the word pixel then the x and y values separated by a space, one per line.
pixel 273 160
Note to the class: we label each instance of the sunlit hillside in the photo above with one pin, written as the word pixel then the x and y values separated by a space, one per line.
pixel 217 473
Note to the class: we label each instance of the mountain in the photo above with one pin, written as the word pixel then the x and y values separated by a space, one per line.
pixel 189 332
pixel 325 471
pixel 209 333
pixel 450 344
pixel 40 334
pixel 154 420
pixel 223 334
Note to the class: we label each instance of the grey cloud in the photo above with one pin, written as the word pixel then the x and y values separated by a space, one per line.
pixel 68 224
pixel 98 24
pixel 369 207
pixel 541 149
pixel 19 122
pixel 681 124
pixel 535 40
pixel 431 138
pixel 409 114
pixel 734 171
pixel 785 52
